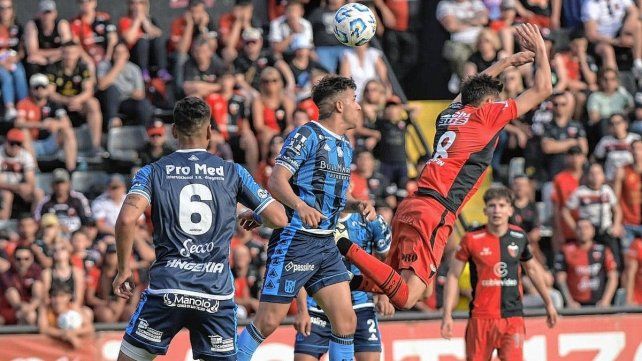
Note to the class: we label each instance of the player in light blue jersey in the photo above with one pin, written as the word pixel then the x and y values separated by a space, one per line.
pixel 193 195
pixel 311 178
pixel 312 325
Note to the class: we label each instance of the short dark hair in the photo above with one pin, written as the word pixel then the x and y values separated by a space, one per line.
pixel 189 115
pixel 479 86
pixel 328 87
pixel 500 192
pixel 22 248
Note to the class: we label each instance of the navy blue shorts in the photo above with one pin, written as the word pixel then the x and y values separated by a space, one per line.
pixel 298 259
pixel 211 324
pixel 366 338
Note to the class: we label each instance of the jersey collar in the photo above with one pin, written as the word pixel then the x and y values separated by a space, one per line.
pixel 190 150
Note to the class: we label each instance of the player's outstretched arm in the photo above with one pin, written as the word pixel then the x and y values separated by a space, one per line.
pixel 133 207
pixel 282 191
pixel 530 39
pixel 451 290
pixel 536 273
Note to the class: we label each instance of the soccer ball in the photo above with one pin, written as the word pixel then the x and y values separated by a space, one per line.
pixel 70 320
pixel 354 24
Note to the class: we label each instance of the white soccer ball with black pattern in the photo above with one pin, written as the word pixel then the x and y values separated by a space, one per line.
pixel 70 320
pixel 354 24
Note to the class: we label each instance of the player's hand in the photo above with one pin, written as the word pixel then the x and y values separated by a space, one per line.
pixel 310 216
pixel 573 305
pixel 383 305
pixel 367 211
pixel 123 284
pixel 247 220
pixel 447 327
pixel 302 322
pixel 521 58
pixel 529 37
pixel 551 316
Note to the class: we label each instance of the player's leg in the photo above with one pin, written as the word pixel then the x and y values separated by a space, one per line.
pixel 312 347
pixel 336 301
pixel 479 340
pixel 268 317
pixel 511 344
pixel 367 338
pixel 212 329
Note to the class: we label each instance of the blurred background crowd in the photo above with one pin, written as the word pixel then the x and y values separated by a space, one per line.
pixel 87 99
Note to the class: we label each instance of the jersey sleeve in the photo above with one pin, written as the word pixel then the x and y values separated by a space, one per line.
pixel 142 183
pixel 609 260
pixel 527 255
pixel 463 253
pixel 381 235
pixel 560 262
pixel 496 115
pixel 299 145
pixel 573 201
pixel 251 194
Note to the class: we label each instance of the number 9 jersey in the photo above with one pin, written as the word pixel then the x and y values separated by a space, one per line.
pixel 193 195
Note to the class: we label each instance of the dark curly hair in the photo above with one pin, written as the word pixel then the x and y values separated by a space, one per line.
pixel 478 87
pixel 326 90
pixel 189 115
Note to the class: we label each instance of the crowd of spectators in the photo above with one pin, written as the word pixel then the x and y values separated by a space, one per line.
pixel 85 98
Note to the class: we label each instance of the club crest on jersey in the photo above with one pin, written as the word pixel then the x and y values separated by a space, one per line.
pixel 513 249
pixel 597 255
pixel 457 118
pixel 289 286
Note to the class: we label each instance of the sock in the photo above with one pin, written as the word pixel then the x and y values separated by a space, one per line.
pixel 360 283
pixel 249 341
pixel 341 348
pixel 390 282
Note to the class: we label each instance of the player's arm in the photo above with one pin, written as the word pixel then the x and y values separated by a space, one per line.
pixel 451 292
pixel 302 319
pixel 264 209
pixel 535 272
pixel 531 39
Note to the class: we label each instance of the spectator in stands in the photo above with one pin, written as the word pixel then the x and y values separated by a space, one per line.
pixel 561 134
pixel 46 126
pixel 532 298
pixel 230 119
pixel 272 109
pixel 566 14
pixel 559 72
pixel 614 149
pixel 267 165
pixel 399 40
pixel 12 72
pixel 74 82
pixel 372 103
pixel 242 282
pixel 612 25
pixel 63 274
pixel 302 66
pixel 184 31
pixel 253 60
pixel 44 36
pixel 596 202
pixel 83 256
pixel 300 117
pixel 370 185
pixel 486 53
pixel 580 70
pixel 94 31
pixel 586 272
pixel 391 149
pixel 633 273
pixel 232 24
pixel 628 189
pixel 22 289
pixel 143 38
pixel 106 207
pixel 27 236
pixel 363 63
pixel 609 100
pixel 464 20
pixel 156 147
pixel 564 185
pixel 48 236
pixel 17 176
pixel 61 304
pixel 122 91
pixel 202 71
pixel 68 205
pixel 284 29
pixel 525 214
pixel 328 48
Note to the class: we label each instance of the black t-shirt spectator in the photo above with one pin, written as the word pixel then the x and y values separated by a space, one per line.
pixel 303 77
pixel 379 187
pixel 51 41
pixel 252 69
pixel 527 217
pixel 555 163
pixel 322 21
pixel 193 73
pixel 146 157
pixel 68 85
pixel 392 146
pixel 479 61
pixel 69 213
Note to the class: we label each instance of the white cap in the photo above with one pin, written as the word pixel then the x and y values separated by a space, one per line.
pixel 38 79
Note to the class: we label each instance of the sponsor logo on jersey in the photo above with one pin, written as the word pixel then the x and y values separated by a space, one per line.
pixel 373 337
pixel 269 285
pixel 193 158
pixel 318 321
pixel 335 170
pixel 195 303
pixel 509 282
pixel 517 234
pixel 410 257
pixel 293 267
pixel 184 172
pixel 220 344
pixel 513 249
pixel 143 330
pixel 289 286
pixel 485 252
pixel 457 118
pixel 500 269
pixel 190 248
pixel 588 270
pixel 209 267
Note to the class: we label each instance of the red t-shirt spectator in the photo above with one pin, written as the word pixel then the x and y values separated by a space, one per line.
pixel 634 254
pixel 124 24
pixel 631 196
pixel 402 14
pixel 23 284
pixel 564 184
pixel 93 37
pixel 360 188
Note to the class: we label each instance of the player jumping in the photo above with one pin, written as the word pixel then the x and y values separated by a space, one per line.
pixel 495 252
pixel 311 323
pixel 467 132
pixel 193 195
pixel 311 178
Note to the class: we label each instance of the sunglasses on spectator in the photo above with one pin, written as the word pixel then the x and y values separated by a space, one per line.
pixel 15 144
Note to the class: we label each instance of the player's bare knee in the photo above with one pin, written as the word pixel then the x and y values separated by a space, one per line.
pixel 266 323
pixel 346 324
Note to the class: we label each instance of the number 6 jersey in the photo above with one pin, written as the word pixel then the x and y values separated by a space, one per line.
pixel 463 149
pixel 193 195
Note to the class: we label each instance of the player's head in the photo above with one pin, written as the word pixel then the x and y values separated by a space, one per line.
pixel 584 230
pixel 335 97
pixel 192 122
pixel 498 205
pixel 480 89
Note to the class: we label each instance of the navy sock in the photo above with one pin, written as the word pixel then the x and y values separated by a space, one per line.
pixel 249 341
pixel 341 348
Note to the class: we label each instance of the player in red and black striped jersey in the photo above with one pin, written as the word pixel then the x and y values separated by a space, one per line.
pixel 495 253
pixel 467 133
